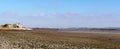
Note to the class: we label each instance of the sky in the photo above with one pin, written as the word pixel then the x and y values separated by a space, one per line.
pixel 61 13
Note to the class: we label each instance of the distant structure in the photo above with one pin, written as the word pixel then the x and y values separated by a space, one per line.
pixel 16 26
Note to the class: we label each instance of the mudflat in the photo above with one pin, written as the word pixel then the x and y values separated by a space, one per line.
pixel 55 39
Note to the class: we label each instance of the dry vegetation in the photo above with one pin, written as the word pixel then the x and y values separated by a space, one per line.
pixel 53 39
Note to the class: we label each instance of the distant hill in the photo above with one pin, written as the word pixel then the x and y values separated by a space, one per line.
pixel 75 29
pixel 44 28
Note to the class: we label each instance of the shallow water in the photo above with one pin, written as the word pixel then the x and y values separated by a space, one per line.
pixel 98 32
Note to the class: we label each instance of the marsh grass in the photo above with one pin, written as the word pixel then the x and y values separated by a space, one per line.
pixel 52 39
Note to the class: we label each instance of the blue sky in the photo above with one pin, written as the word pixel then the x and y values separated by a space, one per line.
pixel 61 13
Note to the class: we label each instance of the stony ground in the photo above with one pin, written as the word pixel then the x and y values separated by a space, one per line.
pixel 53 39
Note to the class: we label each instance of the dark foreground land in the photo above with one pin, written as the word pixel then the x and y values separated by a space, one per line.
pixel 53 39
